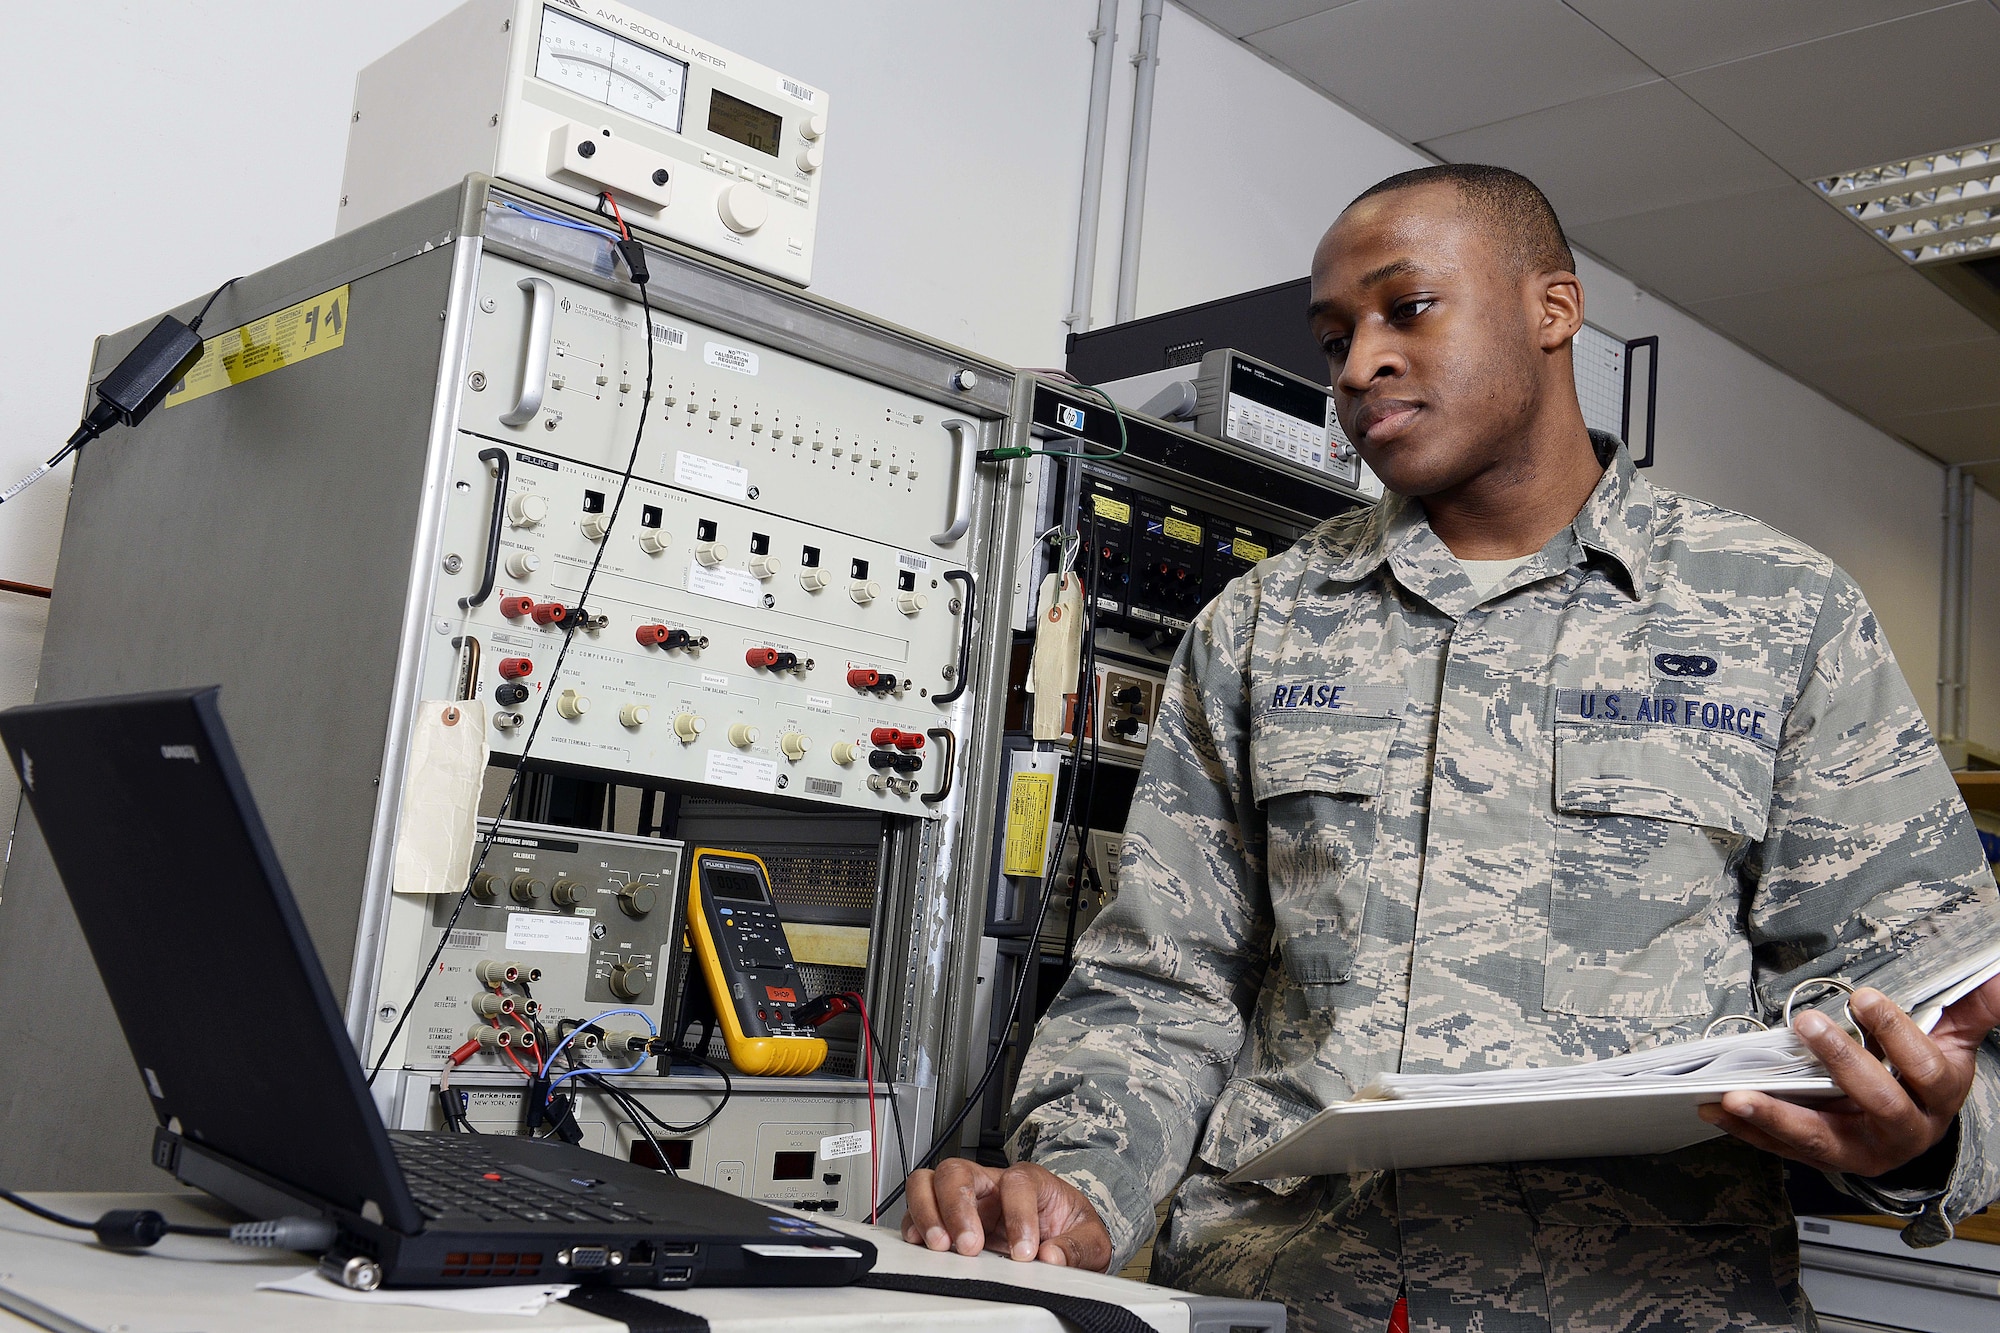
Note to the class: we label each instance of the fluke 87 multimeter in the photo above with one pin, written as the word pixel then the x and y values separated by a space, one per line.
pixel 752 979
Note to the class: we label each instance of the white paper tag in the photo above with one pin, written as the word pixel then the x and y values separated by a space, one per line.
pixel 836 1146
pixel 534 933
pixel 712 475
pixel 434 839
pixel 746 771
pixel 724 357
pixel 729 585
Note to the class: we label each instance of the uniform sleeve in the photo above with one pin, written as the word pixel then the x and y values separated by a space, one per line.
pixel 1868 836
pixel 1137 1045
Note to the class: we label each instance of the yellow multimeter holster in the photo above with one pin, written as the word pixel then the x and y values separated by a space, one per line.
pixel 753 981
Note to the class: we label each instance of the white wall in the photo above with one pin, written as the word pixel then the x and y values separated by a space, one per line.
pixel 949 206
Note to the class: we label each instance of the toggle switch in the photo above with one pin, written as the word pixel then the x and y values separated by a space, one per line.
pixel 526 510
pixel 794 745
pixel 742 735
pixel 572 705
pixel 710 554
pixel 687 726
pixel 522 563
pixel 634 715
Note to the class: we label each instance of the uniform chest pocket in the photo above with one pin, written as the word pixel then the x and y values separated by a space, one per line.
pixel 1319 777
pixel 1650 828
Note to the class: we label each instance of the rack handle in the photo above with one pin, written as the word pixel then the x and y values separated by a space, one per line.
pixel 945 735
pixel 499 457
pixel 964 439
pixel 964 667
pixel 535 356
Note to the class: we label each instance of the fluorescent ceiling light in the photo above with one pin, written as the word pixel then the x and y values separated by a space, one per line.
pixel 1942 206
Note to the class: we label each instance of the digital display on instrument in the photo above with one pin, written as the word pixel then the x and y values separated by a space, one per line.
pixel 606 68
pixel 727 881
pixel 1280 416
pixel 746 123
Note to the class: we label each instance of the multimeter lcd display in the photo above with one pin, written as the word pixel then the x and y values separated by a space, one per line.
pixel 742 886
pixel 751 126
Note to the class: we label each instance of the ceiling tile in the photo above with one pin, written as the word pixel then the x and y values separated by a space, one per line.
pixel 1917 379
pixel 1957 436
pixel 1844 317
pixel 1688 34
pixel 1239 18
pixel 1745 243
pixel 1930 81
pixel 1426 68
pixel 1630 151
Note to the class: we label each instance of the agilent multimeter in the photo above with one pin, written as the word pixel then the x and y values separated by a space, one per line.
pixel 740 941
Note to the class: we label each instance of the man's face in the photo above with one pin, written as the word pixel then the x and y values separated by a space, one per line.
pixel 1430 331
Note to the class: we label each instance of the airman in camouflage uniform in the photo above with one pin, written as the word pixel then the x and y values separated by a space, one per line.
pixel 1659 772
pixel 1664 771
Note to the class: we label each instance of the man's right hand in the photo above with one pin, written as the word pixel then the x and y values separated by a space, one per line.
pixel 1025 1211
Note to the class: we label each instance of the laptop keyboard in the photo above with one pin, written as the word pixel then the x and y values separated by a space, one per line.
pixel 455 1177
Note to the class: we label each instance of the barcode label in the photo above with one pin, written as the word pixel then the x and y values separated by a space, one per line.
pixel 466 939
pixel 797 90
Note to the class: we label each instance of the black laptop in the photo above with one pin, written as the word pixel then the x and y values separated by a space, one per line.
pixel 260 1098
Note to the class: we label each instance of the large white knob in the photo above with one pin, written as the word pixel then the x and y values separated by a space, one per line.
pixel 742 735
pixel 812 580
pixel 652 541
pixel 522 563
pixel 595 526
pixel 843 752
pixel 572 705
pixel 794 745
pixel 743 208
pixel 810 157
pixel 710 554
pixel 909 603
pixel 525 510
pixel 813 127
pixel 864 591
pixel 687 726
pixel 634 715
pixel 764 566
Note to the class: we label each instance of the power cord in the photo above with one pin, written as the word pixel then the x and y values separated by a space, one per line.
pixel 574 618
pixel 142 1228
pixel 136 385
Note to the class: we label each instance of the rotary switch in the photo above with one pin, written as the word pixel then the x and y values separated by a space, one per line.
pixel 572 705
pixel 634 715
pixel 637 900
pixel 522 563
pixel 566 893
pixel 628 982
pixel 742 735
pixel 687 727
pixel 486 886
pixel 595 526
pixel 652 541
pixel 794 745
pixel 524 889
pixel 742 207
pixel 710 554
pixel 812 580
pixel 525 511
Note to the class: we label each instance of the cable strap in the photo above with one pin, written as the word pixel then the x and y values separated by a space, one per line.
pixel 1092 1316
pixel 638 1314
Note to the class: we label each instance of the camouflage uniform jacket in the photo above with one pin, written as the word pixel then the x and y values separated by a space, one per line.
pixel 1665 770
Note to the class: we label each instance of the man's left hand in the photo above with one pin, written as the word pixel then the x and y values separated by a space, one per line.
pixel 1886 1119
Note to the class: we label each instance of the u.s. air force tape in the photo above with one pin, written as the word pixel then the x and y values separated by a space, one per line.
pixel 1753 722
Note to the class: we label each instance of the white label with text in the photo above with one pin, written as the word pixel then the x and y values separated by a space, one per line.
pixel 712 475
pixel 729 585
pixel 724 357
pixel 547 934
pixel 836 1146
pixel 744 771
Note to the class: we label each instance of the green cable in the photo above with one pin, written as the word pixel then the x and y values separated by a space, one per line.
pixel 1026 451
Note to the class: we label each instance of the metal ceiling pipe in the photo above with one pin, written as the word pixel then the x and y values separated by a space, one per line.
pixel 1146 61
pixel 1103 39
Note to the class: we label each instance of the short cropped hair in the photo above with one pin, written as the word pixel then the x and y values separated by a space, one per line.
pixel 1505 201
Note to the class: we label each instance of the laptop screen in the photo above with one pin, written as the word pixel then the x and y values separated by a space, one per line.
pixel 150 824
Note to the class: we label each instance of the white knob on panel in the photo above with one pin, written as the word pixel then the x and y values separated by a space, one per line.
pixel 794 745
pixel 572 705
pixel 742 735
pixel 843 752
pixel 595 526
pixel 812 580
pixel 710 553
pixel 813 127
pixel 523 563
pixel 743 208
pixel 810 157
pixel 764 566
pixel 909 603
pixel 687 726
pixel 652 541
pixel 527 510
pixel 864 591
pixel 634 715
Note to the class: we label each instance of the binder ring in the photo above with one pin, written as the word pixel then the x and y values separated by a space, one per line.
pixel 1832 983
pixel 1757 1023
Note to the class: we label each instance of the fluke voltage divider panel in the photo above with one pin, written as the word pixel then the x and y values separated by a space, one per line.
pixel 385 496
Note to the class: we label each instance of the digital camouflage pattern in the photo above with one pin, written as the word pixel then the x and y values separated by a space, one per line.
pixel 1665 770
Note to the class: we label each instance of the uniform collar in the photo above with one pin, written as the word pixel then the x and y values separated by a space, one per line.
pixel 1616 521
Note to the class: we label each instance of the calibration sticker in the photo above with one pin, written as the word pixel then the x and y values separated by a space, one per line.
pixel 264 345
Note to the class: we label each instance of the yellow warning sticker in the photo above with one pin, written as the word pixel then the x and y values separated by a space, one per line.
pixel 1183 531
pixel 264 345
pixel 1249 550
pixel 1115 510
pixel 1030 800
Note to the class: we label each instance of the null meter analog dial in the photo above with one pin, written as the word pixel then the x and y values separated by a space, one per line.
pixel 590 61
